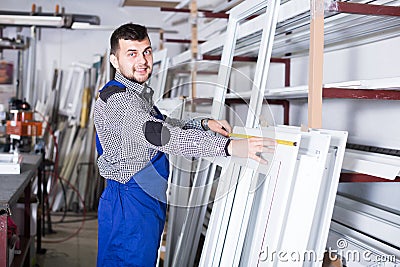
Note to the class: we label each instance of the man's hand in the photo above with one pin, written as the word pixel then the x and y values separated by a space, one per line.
pixel 220 126
pixel 252 148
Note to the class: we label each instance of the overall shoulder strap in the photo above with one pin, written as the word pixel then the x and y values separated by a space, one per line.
pixel 112 87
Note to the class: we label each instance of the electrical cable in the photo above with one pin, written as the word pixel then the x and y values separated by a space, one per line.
pixel 93 217
pixel 83 218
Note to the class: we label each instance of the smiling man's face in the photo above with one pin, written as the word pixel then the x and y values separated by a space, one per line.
pixel 134 59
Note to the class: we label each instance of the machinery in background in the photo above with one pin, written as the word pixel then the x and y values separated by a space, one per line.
pixel 21 126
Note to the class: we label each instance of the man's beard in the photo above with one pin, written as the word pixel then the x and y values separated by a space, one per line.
pixel 133 79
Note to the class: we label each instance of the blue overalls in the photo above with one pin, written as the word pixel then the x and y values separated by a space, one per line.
pixel 131 216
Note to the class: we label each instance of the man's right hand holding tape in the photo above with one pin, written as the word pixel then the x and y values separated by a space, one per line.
pixel 252 148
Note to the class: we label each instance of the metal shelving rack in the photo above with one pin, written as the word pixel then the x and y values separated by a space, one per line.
pixel 370 21
pixel 376 21
pixel 317 27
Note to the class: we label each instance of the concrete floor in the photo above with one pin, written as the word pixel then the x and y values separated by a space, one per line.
pixel 77 251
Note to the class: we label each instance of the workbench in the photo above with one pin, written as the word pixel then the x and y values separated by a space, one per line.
pixel 12 186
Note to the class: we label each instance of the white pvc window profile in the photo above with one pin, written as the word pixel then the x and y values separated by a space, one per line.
pixel 375 164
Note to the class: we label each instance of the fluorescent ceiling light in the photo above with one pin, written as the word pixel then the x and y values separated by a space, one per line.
pixel 11 18
pixel 87 26
pixel 52 21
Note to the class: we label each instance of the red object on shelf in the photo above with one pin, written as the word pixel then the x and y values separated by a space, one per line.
pixel 24 128
pixel 22 124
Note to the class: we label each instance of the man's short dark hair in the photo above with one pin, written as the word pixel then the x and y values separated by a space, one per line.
pixel 128 31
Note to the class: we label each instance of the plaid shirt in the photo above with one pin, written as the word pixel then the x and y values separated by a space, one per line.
pixel 119 125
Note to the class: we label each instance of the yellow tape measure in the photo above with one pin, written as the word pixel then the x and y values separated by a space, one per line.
pixel 279 141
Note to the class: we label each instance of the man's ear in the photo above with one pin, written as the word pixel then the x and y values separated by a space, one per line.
pixel 114 61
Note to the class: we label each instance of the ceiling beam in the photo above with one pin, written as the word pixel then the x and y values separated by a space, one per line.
pixel 150 3
pixel 202 13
